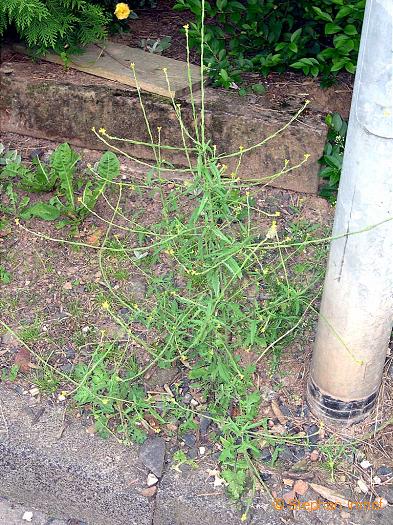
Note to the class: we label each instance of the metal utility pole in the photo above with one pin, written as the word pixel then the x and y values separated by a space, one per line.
pixel 356 313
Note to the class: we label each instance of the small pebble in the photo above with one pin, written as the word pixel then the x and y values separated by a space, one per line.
pixel 365 464
pixel 314 456
pixel 151 480
pixel 34 391
pixel 27 516
pixel 384 471
pixel 194 403
pixel 189 439
pixel 377 480
pixel 202 451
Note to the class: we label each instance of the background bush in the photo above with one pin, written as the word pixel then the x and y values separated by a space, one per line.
pixel 62 25
pixel 317 37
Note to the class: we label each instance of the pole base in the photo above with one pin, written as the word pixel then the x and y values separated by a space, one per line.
pixel 335 410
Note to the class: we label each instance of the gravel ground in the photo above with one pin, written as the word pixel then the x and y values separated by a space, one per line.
pixel 15 514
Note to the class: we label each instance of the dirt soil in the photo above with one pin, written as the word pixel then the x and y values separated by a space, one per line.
pixel 53 302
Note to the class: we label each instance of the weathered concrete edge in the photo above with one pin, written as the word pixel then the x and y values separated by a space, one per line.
pixel 55 465
pixel 48 460
pixel 58 109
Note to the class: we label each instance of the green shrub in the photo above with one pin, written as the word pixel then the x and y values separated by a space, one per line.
pixel 57 25
pixel 317 37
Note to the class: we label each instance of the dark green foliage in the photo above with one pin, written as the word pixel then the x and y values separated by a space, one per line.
pixel 59 25
pixel 332 157
pixel 317 37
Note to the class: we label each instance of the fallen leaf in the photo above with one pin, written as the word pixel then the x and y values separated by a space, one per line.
pixel 23 360
pixel 218 481
pixel 289 496
pixel 149 492
pixel 329 494
pixel 362 485
pixel 277 412
pixel 300 487
pixel 94 238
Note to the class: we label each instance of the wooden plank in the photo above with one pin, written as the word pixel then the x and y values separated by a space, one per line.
pixel 112 61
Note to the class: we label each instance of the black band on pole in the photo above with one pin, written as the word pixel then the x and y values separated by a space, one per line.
pixel 338 409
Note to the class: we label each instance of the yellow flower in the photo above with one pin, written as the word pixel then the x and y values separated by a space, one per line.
pixel 186 27
pixel 105 305
pixel 132 66
pixel 122 11
pixel 102 131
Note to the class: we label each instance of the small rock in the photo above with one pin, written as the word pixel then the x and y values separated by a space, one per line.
pixel 265 455
pixel 67 286
pixel 202 451
pixel 67 368
pixel 300 487
pixel 365 464
pixel 194 403
pixel 313 434
pixel 265 476
pixel 285 410
pixel 151 480
pixel 189 439
pixel 377 480
pixel 150 491
pixel 85 329
pixel 27 516
pixel 314 456
pixel 187 398
pixel 69 352
pixel 384 471
pixel 152 455
pixel 204 423
pixel 34 391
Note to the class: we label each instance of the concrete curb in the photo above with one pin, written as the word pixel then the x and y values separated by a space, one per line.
pixel 69 473
pixel 62 470
pixel 44 100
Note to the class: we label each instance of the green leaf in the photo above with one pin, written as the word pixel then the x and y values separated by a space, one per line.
pixel 331 29
pixel 63 162
pixel 350 30
pixel 322 14
pixel 260 89
pixel 41 210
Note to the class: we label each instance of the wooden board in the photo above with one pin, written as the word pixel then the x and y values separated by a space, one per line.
pixel 112 61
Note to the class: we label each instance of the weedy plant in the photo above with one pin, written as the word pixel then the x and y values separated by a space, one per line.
pixel 60 175
pixel 227 292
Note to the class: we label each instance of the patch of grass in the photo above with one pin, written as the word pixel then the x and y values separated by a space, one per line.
pixel 32 332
